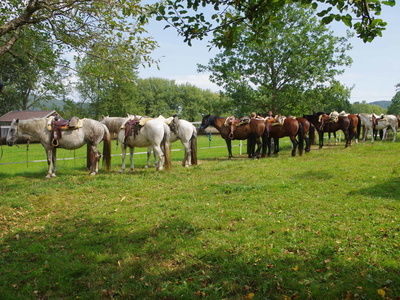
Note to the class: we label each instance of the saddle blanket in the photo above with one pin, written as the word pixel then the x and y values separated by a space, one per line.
pixel 144 120
pixel 50 119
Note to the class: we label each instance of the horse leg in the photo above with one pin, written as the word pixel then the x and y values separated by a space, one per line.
pixel 49 153
pixel 365 132
pixel 160 158
pixel 123 155
pixel 149 150
pixel 258 150
pixel 276 145
pixel 382 134
pixel 54 159
pixel 321 139
pixel 187 158
pixel 346 137
pixel 308 142
pixel 294 145
pixel 131 151
pixel 229 145
pixel 269 145
pixel 264 146
pixel 94 160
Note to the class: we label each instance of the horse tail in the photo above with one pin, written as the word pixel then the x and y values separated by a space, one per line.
pixel 311 134
pixel 193 148
pixel 300 134
pixel 107 148
pixel 165 146
pixel 358 127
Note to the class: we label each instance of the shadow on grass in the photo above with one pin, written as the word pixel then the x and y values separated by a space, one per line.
pixel 389 189
pixel 97 258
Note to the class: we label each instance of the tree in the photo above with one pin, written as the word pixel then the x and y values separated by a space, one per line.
pixel 364 107
pixel 76 24
pixel 191 20
pixel 394 107
pixel 275 68
pixel 31 73
pixel 108 85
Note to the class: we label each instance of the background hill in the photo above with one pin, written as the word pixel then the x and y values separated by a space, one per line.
pixel 382 103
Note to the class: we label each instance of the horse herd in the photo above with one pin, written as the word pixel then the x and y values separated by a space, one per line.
pixel 158 133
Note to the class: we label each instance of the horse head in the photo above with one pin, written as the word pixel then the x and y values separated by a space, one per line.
pixel 206 121
pixel 12 134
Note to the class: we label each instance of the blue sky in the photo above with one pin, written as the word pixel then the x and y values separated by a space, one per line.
pixel 373 74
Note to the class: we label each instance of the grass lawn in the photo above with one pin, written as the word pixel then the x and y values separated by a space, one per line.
pixel 322 226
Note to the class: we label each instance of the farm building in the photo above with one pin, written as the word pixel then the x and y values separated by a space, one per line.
pixel 6 119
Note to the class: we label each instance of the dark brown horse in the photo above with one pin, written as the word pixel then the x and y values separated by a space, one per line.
pixel 326 124
pixel 290 127
pixel 253 132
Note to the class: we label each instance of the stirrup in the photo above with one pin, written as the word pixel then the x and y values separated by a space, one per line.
pixel 55 143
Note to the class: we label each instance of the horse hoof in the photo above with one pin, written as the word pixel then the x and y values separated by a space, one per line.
pixel 146 166
pixel 53 175
pixel 122 170
pixel 48 176
pixel 92 173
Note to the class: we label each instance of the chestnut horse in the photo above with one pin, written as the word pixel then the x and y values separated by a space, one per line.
pixel 254 132
pixel 308 133
pixel 325 124
pixel 291 127
pixel 355 127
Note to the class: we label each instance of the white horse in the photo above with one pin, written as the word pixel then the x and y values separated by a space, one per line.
pixel 185 132
pixel 154 133
pixel 384 122
pixel 368 126
pixel 91 132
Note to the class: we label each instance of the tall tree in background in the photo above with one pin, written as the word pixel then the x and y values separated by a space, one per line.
pixel 31 72
pixel 272 70
pixel 394 107
pixel 108 85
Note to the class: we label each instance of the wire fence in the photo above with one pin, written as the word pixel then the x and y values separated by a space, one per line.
pixel 34 153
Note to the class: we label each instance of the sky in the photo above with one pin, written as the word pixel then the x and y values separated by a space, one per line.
pixel 373 75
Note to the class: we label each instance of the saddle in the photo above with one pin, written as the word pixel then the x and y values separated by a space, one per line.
pixel 334 117
pixel 132 127
pixel 173 125
pixel 56 126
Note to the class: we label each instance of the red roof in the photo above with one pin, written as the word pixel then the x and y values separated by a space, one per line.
pixel 26 114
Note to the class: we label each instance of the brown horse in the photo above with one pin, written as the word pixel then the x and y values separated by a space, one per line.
pixel 326 124
pixel 231 130
pixel 355 127
pixel 290 127
pixel 308 132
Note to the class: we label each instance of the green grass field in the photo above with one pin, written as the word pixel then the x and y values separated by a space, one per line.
pixel 322 226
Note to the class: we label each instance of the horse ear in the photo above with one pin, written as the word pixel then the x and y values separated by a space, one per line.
pixel 17 121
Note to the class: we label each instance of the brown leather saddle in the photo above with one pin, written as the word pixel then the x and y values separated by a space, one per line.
pixel 59 125
pixel 132 128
